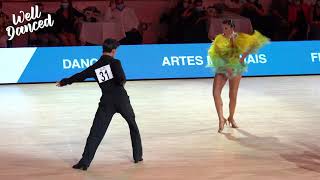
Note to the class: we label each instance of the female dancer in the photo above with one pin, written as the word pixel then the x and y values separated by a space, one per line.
pixel 225 54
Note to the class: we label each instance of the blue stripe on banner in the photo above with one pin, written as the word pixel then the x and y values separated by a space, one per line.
pixel 52 64
pixel 13 62
pixel 165 61
pixel 171 61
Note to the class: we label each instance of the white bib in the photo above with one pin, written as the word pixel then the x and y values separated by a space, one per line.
pixel 104 74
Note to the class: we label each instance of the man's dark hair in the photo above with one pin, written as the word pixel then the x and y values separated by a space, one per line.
pixel 109 45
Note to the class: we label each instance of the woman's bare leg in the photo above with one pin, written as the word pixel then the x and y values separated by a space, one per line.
pixel 218 84
pixel 233 93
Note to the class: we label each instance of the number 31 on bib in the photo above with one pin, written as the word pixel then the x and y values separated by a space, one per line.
pixel 104 74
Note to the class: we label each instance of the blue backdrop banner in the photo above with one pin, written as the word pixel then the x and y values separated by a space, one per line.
pixel 34 65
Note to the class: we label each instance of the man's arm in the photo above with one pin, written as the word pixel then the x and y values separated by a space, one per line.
pixel 87 73
pixel 118 73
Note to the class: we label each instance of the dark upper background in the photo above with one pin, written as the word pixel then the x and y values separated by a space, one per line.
pixel 87 22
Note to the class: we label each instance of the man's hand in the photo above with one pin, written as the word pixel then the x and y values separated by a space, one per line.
pixel 59 84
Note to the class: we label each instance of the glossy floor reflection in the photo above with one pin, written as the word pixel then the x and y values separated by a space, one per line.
pixel 44 128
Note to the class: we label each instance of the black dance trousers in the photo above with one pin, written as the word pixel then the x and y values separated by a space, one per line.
pixel 108 106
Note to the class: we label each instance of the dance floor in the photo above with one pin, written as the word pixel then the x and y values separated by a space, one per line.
pixel 44 128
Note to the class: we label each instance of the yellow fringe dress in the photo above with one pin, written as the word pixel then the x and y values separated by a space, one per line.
pixel 225 54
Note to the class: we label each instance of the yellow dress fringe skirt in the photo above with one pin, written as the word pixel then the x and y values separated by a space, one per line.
pixel 225 54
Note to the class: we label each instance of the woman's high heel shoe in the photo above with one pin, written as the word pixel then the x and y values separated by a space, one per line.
pixel 221 125
pixel 233 124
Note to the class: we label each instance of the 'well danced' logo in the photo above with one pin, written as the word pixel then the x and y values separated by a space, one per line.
pixel 33 22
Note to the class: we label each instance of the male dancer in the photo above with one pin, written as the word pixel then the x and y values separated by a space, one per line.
pixel 109 75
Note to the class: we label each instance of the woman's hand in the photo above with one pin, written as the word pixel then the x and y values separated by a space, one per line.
pixel 242 60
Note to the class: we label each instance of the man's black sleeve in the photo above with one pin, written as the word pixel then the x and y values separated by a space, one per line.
pixel 118 73
pixel 87 73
